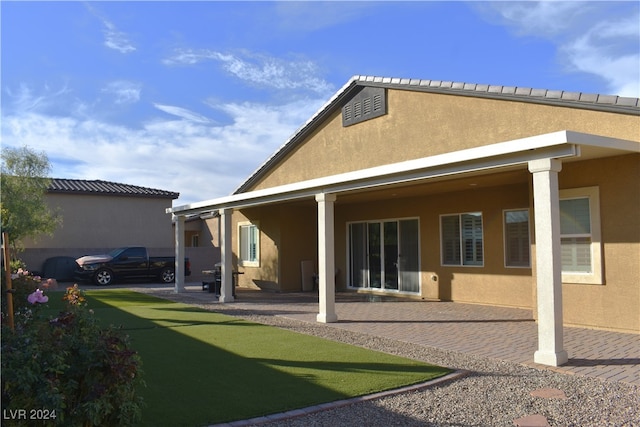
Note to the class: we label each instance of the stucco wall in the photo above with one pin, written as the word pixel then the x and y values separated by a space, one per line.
pixel 424 124
pixel 492 283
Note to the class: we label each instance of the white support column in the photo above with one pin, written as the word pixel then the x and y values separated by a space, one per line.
pixel 548 262
pixel 326 259
pixel 226 288
pixel 179 248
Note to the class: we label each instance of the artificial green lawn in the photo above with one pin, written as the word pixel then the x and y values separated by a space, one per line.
pixel 203 368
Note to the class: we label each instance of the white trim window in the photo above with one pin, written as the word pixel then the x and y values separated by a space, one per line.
pixel 248 245
pixel 517 242
pixel 580 235
pixel 461 239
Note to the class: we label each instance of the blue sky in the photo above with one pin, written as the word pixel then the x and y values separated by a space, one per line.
pixel 192 97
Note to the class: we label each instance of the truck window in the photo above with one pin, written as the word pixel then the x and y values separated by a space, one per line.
pixel 135 253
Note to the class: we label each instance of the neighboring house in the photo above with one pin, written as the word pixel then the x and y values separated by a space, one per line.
pixel 450 191
pixel 98 216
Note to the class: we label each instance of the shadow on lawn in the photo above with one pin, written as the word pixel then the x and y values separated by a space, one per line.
pixel 197 370
pixel 351 366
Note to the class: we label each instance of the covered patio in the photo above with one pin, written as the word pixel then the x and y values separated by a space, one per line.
pixel 542 156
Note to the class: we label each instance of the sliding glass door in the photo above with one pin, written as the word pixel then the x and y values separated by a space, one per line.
pixel 384 255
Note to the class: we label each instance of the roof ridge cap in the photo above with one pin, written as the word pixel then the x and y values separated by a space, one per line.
pixel 523 91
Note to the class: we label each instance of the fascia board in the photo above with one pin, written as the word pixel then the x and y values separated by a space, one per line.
pixel 602 141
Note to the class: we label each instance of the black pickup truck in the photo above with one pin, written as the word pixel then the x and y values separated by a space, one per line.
pixel 126 264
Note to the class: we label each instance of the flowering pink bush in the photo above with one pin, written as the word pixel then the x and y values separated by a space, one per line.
pixel 23 284
pixel 71 365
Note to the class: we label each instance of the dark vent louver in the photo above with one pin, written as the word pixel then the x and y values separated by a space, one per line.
pixel 357 110
pixel 377 102
pixel 346 112
pixel 367 104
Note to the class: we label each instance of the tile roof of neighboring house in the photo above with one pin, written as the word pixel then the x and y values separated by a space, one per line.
pixel 106 188
pixel 613 103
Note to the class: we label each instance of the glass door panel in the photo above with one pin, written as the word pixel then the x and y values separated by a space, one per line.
pixel 391 255
pixel 358 255
pixel 408 259
pixel 375 255
pixel 384 255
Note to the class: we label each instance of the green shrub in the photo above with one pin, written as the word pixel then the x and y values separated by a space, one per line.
pixel 69 366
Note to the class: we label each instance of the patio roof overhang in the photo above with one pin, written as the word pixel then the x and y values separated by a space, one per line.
pixel 566 145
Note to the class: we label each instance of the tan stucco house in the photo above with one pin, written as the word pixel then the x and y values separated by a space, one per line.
pixel 98 216
pixel 439 190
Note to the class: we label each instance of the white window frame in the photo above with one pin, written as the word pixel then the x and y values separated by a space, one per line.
pixel 504 236
pixel 461 236
pixel 249 262
pixel 595 275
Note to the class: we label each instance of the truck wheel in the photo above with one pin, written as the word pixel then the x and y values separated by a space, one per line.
pixel 103 277
pixel 167 275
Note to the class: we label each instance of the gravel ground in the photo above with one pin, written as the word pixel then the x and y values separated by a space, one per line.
pixel 492 393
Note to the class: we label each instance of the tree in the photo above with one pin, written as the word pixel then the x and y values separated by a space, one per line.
pixel 23 184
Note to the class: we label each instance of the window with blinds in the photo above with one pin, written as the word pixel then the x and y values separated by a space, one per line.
pixel 580 236
pixel 575 235
pixel 462 239
pixel 517 246
pixel 248 240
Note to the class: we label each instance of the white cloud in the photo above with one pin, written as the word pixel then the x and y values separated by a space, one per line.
pixel 125 92
pixel 200 160
pixel 24 99
pixel 309 16
pixel 113 38
pixel 183 113
pixel 260 70
pixel 599 38
pixel 600 51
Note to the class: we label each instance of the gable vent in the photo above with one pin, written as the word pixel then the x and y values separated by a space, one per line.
pixel 367 104
pixel 347 112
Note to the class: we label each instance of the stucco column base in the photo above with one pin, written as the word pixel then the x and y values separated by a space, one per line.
pixel 225 298
pixel 550 358
pixel 326 318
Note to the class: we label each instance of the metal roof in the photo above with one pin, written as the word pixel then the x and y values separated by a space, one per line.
pixel 611 103
pixel 105 188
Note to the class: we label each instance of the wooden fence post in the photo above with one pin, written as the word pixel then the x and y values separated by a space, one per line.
pixel 7 272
